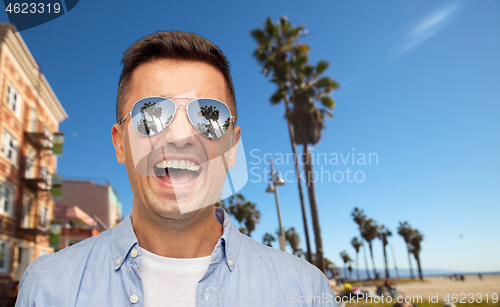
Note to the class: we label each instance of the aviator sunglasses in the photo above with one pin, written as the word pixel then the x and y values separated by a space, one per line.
pixel 151 115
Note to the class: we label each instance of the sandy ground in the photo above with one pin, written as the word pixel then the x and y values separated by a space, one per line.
pixel 441 286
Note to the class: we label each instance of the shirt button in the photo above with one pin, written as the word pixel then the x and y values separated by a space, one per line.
pixel 133 253
pixel 206 294
pixel 134 299
pixel 118 261
pixel 229 261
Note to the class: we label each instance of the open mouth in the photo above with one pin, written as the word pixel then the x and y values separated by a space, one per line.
pixel 176 171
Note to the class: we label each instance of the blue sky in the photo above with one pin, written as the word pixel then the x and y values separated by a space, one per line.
pixel 419 88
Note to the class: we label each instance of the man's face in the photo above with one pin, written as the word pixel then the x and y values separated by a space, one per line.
pixel 180 195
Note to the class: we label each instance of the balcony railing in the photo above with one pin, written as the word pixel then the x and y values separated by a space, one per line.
pixel 38 184
pixel 42 227
pixel 40 140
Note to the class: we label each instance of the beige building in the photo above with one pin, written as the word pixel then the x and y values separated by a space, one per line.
pixel 30 114
pixel 98 200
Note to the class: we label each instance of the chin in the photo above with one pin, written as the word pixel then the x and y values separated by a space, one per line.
pixel 170 214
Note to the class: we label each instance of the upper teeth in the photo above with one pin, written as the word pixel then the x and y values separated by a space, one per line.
pixel 180 164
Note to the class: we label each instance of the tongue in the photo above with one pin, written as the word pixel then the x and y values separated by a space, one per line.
pixel 178 176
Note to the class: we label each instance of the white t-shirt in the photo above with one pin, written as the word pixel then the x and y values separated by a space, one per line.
pixel 171 281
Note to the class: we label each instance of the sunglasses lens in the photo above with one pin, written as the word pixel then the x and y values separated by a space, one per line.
pixel 210 117
pixel 151 115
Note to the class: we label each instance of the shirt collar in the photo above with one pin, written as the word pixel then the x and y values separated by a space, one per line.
pixel 123 239
pixel 230 239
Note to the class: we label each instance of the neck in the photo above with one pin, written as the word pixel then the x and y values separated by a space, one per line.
pixel 165 238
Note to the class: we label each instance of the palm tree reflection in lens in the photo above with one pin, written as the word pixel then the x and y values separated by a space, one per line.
pixel 209 113
pixel 154 111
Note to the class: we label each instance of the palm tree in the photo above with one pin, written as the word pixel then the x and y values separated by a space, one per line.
pixel 252 216
pixel 383 234
pixel 203 128
pixel 346 258
pixel 415 239
pixel 227 123
pixel 214 115
pixel 308 121
pixel 244 211
pixel 356 243
pixel 268 239
pixel 370 232
pixel 293 239
pixel 300 253
pixel 331 268
pixel 154 111
pixel 404 230
pixel 222 204
pixel 168 120
pixel 359 218
pixel 275 45
pixel 143 126
pixel 243 230
pixel 236 209
pixel 208 113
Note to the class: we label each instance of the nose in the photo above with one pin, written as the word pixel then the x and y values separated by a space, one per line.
pixel 180 131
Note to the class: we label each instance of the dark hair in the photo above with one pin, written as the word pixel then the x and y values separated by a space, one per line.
pixel 171 45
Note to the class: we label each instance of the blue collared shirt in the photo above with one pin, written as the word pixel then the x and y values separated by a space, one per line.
pixel 103 271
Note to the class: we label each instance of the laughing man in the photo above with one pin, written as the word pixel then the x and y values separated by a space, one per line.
pixel 176 134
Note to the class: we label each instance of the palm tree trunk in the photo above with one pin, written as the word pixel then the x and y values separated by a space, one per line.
pixel 314 209
pixel 385 262
pixel 373 260
pixel 213 128
pixel 299 182
pixel 357 264
pixel 221 132
pixel 409 261
pixel 417 257
pixel 366 263
pixel 395 264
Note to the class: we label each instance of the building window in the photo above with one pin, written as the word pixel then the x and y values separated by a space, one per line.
pixel 48 138
pixel 14 99
pixel 44 219
pixel 4 253
pixel 30 163
pixel 32 122
pixel 6 198
pixel 46 178
pixel 23 260
pixel 28 200
pixel 9 147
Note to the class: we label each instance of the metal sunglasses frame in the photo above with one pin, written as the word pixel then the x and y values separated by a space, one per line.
pixel 175 111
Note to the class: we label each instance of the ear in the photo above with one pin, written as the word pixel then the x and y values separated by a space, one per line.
pixel 235 140
pixel 117 135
